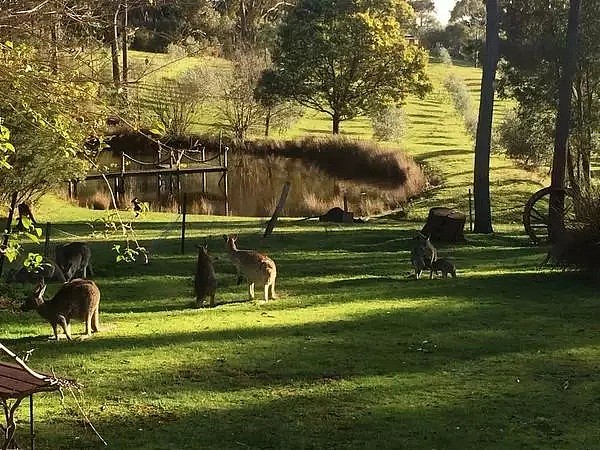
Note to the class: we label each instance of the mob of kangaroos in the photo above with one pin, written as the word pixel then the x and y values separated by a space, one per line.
pixel 254 266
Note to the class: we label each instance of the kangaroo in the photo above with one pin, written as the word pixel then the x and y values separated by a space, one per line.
pixel 445 266
pixel 422 255
pixel 77 298
pixel 256 267
pixel 73 258
pixel 205 281
pixel 47 271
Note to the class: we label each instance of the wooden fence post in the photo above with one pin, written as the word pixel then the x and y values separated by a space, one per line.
pixel 184 212
pixel 47 241
pixel 225 183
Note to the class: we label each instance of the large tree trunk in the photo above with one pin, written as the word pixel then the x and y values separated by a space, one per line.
pixel 481 185
pixel 559 159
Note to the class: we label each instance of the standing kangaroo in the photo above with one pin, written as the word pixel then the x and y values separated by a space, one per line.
pixel 205 281
pixel 422 255
pixel 74 257
pixel 77 298
pixel 256 267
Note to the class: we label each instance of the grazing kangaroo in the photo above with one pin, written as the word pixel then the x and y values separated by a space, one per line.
pixel 445 266
pixel 74 257
pixel 77 298
pixel 205 281
pixel 256 267
pixel 422 255
pixel 47 271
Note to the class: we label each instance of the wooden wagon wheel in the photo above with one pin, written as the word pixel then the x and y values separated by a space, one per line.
pixel 537 208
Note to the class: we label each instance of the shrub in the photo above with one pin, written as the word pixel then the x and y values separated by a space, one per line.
pixel 445 57
pixel 526 136
pixel 461 98
pixel 442 53
pixel 176 51
pixel 579 246
pixel 389 124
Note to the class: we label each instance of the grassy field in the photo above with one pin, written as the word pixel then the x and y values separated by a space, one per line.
pixel 355 354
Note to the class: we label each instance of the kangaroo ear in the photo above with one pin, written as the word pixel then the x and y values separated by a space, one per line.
pixel 225 237
pixel 39 290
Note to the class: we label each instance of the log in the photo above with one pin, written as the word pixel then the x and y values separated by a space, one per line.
pixel 271 223
pixel 445 225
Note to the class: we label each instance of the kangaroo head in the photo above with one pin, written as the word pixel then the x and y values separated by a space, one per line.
pixel 36 299
pixel 230 240
pixel 202 248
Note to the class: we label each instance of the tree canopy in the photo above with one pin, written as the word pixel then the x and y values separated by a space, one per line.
pixel 346 58
pixel 533 48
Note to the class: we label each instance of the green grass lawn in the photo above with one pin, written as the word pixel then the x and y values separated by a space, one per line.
pixel 354 354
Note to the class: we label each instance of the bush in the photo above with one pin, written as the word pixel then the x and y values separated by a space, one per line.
pixel 176 51
pixel 442 53
pixel 527 136
pixel 389 124
pixel 461 98
pixel 579 246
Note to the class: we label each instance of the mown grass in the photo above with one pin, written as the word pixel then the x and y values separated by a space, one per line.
pixel 354 353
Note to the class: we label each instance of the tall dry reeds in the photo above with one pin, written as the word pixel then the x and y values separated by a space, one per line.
pixel 322 171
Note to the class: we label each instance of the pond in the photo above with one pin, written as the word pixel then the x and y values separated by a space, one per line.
pixel 254 186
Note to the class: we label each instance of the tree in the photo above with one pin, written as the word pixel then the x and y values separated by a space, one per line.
pixel 533 53
pixel 239 112
pixel 344 58
pixel 49 116
pixel 569 67
pixel 481 185
pixel 424 12
pixel 471 14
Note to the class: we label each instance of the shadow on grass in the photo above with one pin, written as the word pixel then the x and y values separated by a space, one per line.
pixel 440 153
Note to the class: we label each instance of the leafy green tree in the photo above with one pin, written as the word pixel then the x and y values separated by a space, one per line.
pixel 346 58
pixel 533 48
pixel 470 17
pixel 48 116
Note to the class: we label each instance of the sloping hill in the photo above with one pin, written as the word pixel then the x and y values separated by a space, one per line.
pixel 436 136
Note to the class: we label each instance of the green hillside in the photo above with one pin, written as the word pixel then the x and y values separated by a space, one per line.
pixel 436 136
